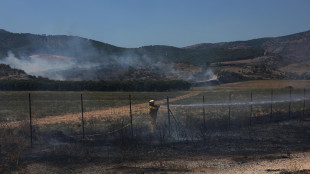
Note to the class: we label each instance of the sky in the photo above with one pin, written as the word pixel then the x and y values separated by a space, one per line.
pixel 136 23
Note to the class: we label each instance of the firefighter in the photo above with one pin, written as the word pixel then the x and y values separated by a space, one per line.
pixel 153 114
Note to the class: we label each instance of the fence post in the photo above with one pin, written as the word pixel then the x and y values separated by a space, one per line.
pixel 271 101
pixel 203 111
pixel 289 106
pixel 130 112
pixel 30 117
pixel 168 114
pixel 251 111
pixel 304 104
pixel 229 111
pixel 82 109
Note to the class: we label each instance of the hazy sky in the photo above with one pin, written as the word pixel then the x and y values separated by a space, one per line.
pixel 135 23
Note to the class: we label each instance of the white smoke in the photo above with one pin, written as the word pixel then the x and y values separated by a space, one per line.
pixel 198 75
pixel 210 75
pixel 68 68
pixel 39 66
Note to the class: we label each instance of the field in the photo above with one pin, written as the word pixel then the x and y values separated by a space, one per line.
pixel 210 128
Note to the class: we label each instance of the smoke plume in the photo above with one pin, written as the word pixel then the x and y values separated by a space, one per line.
pixel 74 58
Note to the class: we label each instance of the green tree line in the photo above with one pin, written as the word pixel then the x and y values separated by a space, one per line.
pixel 51 85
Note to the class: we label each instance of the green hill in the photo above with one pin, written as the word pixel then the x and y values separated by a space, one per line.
pixel 26 44
pixel 294 46
pixel 76 58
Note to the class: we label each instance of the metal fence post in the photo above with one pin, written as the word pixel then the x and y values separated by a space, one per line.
pixel 289 106
pixel 168 114
pixel 271 101
pixel 82 108
pixel 30 117
pixel 304 104
pixel 229 110
pixel 251 111
pixel 203 111
pixel 130 112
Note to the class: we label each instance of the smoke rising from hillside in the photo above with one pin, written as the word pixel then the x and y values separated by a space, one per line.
pixel 113 68
pixel 39 67
pixel 76 58
pixel 92 64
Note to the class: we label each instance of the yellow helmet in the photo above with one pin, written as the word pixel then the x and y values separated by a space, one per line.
pixel 151 101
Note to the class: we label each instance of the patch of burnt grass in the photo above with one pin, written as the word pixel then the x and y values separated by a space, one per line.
pixel 305 171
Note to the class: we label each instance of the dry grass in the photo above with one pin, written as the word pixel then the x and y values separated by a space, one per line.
pixel 113 113
pixel 299 68
pixel 13 142
pixel 268 84
pixel 144 159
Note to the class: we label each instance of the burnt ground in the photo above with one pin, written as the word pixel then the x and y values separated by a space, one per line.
pixel 278 147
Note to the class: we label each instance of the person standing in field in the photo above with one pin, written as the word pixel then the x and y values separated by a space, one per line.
pixel 153 114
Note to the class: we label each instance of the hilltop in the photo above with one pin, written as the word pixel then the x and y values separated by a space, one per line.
pixel 285 57
pixel 294 46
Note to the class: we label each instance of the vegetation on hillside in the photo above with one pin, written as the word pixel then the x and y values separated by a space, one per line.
pixel 198 57
pixel 294 46
pixel 112 60
pixel 81 48
pixel 51 85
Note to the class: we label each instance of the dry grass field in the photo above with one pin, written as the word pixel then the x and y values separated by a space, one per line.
pixel 222 135
pixel 269 84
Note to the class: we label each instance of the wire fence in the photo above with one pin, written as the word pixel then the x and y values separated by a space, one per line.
pixel 41 119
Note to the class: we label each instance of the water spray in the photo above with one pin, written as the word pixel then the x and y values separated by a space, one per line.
pixel 240 103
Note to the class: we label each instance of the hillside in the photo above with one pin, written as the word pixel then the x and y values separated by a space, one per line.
pixel 93 60
pixel 63 57
pixel 8 73
pixel 286 57
pixel 295 46
pixel 81 48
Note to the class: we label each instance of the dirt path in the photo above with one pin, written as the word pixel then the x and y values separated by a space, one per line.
pixel 109 113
